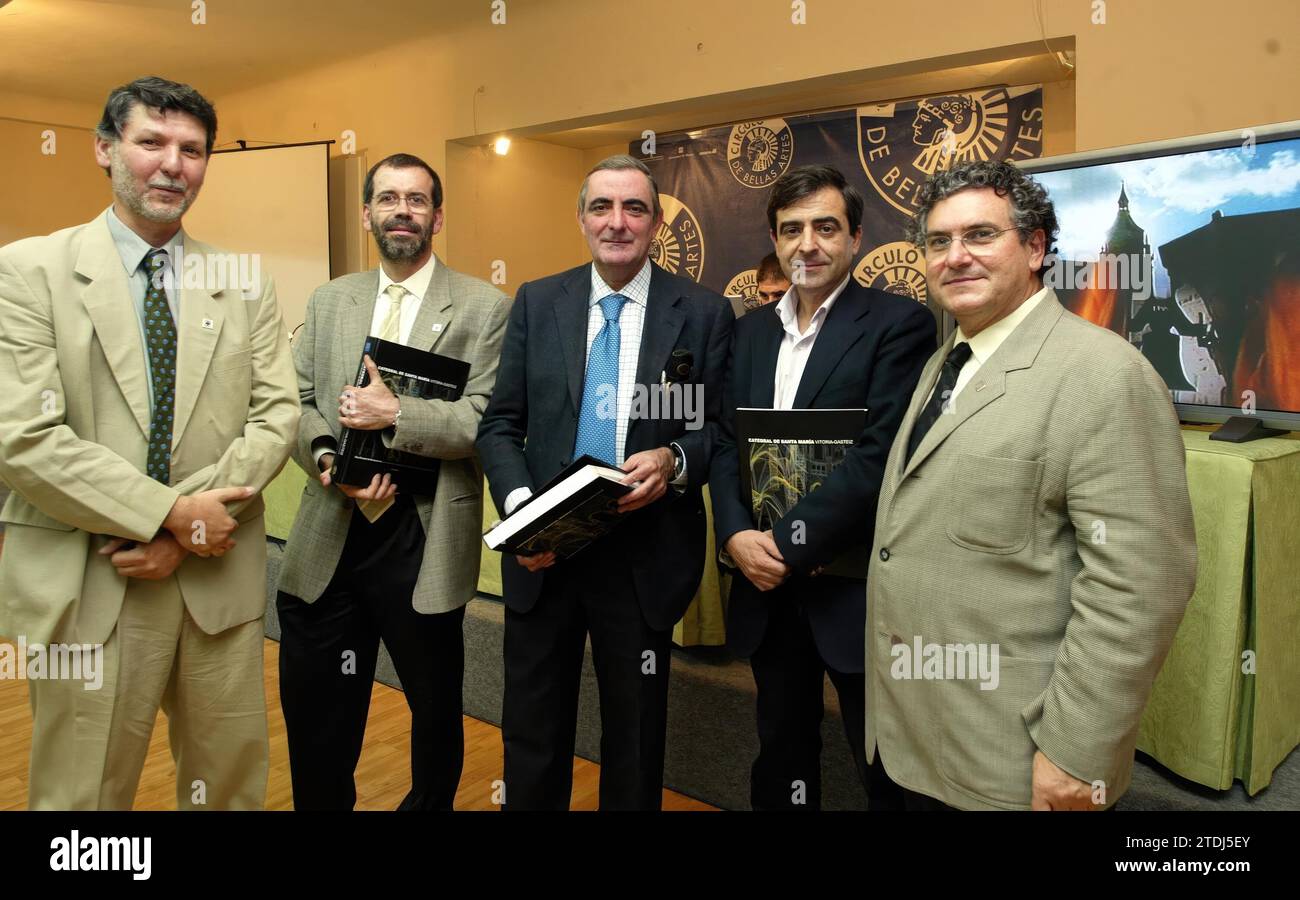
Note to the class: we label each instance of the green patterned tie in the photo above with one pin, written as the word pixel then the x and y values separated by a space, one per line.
pixel 160 341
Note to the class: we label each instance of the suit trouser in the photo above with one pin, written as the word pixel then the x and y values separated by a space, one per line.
pixel 89 746
pixel 328 653
pixel 886 795
pixel 789 673
pixel 543 669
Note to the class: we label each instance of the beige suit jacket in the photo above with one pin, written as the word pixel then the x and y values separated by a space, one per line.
pixel 460 317
pixel 74 431
pixel 1047 514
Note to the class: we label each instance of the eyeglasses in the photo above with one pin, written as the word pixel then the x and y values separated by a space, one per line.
pixel 416 203
pixel 976 241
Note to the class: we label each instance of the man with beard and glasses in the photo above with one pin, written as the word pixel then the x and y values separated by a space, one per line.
pixel 365 563
pixel 141 418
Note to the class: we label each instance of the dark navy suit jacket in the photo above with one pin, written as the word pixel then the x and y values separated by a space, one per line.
pixel 868 354
pixel 528 430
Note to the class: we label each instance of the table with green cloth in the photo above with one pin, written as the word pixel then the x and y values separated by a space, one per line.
pixel 1216 712
pixel 1227 701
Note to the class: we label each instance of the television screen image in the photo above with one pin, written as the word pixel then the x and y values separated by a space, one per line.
pixel 1190 250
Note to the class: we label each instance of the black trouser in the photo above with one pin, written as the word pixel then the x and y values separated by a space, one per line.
pixel 328 651
pixel 886 795
pixel 543 669
pixel 789 673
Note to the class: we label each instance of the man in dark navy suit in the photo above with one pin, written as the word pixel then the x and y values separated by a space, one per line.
pixel 616 329
pixel 829 343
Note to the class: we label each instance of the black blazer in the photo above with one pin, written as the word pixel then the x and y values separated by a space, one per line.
pixel 537 399
pixel 869 354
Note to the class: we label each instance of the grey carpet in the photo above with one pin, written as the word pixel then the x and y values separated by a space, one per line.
pixel 711 737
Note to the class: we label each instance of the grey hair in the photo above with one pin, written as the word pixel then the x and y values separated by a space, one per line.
pixel 619 162
pixel 1031 208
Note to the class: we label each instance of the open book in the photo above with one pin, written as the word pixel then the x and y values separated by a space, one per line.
pixel 573 509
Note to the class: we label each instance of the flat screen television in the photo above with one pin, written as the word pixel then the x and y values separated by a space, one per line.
pixel 1190 249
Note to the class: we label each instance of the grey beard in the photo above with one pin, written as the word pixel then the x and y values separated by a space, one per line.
pixel 125 189
pixel 396 251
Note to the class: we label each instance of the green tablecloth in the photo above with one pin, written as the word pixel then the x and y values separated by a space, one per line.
pixel 1208 720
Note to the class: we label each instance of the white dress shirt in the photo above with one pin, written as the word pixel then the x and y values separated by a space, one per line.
pixel 415 287
pixel 796 347
pixel 631 323
pixel 986 343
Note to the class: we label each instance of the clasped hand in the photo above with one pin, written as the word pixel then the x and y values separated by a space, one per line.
pixel 759 558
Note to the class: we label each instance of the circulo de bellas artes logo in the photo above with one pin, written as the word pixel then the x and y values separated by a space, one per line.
pixel 678 245
pixel 901 145
pixel 897 267
pixel 759 152
pixel 745 286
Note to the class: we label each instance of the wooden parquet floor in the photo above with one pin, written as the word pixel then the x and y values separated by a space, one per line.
pixel 383 774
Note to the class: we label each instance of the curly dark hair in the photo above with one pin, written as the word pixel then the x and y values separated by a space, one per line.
pixel 1031 208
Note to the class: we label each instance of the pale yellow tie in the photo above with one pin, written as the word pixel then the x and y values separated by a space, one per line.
pixel 391 330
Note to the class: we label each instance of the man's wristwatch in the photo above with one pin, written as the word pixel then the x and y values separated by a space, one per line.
pixel 679 461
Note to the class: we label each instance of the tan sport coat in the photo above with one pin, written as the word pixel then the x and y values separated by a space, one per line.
pixel 74 431
pixel 460 317
pixel 1047 514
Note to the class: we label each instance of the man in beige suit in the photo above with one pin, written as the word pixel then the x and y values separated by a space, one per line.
pixel 142 417
pixel 365 563
pixel 1034 545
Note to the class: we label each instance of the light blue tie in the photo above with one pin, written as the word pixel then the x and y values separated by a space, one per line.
pixel 599 417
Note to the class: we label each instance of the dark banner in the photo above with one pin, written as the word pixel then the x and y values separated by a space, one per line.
pixel 714 183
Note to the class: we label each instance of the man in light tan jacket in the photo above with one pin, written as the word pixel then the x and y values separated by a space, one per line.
pixel 1034 546
pixel 142 416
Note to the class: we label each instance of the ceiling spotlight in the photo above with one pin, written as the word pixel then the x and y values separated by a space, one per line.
pixel 502 146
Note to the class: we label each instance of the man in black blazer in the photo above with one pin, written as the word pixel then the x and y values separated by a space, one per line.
pixel 829 343
pixel 617 327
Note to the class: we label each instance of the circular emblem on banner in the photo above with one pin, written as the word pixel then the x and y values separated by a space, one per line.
pixel 898 268
pixel 744 286
pixel 758 153
pixel 900 148
pixel 678 245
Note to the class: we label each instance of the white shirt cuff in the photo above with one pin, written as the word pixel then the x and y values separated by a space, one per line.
pixel 515 497
pixel 321 448
pixel 680 481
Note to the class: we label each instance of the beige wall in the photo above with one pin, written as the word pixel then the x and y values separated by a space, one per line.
pixel 45 192
pixel 496 207
pixel 1156 69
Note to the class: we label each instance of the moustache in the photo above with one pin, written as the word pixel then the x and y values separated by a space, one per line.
pixel 405 224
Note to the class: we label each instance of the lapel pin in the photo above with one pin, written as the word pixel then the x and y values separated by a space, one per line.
pixel 207 323
pixel 437 327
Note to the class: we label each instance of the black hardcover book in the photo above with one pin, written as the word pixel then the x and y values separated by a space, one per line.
pixel 569 512
pixel 786 454
pixel 408 372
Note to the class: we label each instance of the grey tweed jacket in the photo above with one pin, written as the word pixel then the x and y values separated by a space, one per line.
pixel 1048 515
pixel 459 316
